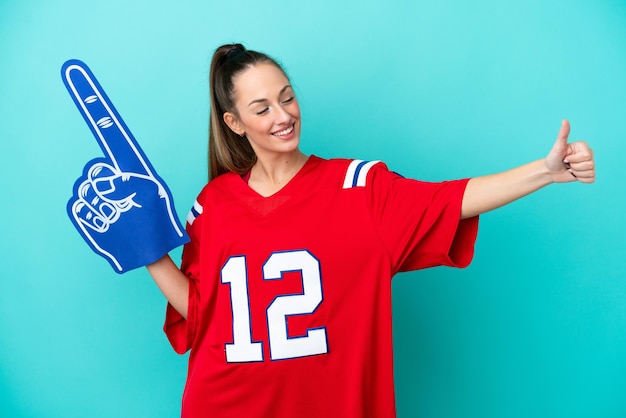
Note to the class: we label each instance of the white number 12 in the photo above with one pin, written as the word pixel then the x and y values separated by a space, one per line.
pixel 243 349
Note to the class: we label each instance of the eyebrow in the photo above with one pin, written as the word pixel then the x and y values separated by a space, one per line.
pixel 288 86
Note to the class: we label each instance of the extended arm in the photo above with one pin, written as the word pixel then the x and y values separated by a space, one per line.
pixel 565 163
pixel 172 282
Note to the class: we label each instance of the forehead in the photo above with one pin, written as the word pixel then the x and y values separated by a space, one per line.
pixel 260 81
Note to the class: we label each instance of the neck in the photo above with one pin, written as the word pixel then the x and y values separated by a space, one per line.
pixel 269 175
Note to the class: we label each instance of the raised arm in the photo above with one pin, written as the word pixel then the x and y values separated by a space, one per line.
pixel 173 283
pixel 566 162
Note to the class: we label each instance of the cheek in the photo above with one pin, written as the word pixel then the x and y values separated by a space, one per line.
pixel 261 125
pixel 252 123
pixel 295 110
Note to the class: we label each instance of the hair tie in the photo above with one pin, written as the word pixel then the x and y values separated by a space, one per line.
pixel 234 51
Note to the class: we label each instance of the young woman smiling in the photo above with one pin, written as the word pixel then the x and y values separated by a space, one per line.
pixel 284 292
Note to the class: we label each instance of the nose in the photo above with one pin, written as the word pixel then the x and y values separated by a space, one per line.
pixel 282 116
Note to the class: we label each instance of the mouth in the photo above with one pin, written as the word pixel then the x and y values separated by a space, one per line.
pixel 284 133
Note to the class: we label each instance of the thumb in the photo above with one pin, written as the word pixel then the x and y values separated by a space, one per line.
pixel 559 152
pixel 561 139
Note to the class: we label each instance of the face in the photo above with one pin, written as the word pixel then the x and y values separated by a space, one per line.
pixel 267 111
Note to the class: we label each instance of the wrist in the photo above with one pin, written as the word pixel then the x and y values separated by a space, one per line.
pixel 558 171
pixel 543 173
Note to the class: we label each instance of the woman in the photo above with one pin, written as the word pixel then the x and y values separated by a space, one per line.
pixel 284 297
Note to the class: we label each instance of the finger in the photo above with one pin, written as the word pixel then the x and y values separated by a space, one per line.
pixel 561 138
pixel 586 176
pixel 587 181
pixel 119 189
pixel 86 210
pixel 579 152
pixel 583 170
pixel 92 202
pixel 584 173
pixel 564 131
pixel 109 129
pixel 582 166
pixel 87 222
pixel 85 215
pixel 102 177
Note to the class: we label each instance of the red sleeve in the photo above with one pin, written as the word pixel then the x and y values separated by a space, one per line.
pixel 180 331
pixel 419 222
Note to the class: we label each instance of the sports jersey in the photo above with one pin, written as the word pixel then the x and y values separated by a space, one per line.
pixel 290 295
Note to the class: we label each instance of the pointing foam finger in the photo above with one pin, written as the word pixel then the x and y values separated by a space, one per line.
pixel 103 119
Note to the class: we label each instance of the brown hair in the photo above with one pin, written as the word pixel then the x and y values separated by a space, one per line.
pixel 227 150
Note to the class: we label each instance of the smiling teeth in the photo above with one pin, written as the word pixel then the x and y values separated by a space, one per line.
pixel 284 132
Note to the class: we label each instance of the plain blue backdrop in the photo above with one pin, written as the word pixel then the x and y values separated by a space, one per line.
pixel 535 327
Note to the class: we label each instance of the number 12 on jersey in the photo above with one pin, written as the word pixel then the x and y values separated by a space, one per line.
pixel 243 349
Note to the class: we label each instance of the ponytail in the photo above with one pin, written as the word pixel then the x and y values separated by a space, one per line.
pixel 228 152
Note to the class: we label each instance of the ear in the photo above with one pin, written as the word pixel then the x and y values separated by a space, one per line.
pixel 233 123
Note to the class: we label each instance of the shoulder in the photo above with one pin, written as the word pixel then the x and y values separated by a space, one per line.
pixel 214 191
pixel 357 172
pixel 350 171
pixel 221 183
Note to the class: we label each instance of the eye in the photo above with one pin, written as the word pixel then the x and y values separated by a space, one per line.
pixel 289 100
pixel 261 112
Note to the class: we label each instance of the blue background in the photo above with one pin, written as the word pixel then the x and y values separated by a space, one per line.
pixel 535 327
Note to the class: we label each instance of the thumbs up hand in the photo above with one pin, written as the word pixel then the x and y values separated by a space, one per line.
pixel 570 161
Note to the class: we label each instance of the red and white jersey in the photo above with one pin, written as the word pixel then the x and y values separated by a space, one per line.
pixel 290 295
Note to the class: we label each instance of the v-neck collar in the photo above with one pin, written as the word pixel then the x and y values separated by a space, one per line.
pixel 266 204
